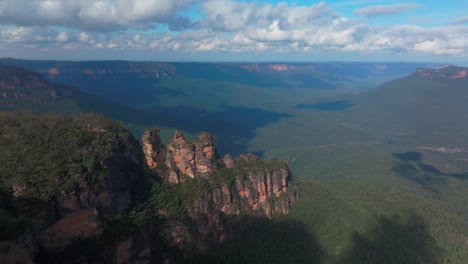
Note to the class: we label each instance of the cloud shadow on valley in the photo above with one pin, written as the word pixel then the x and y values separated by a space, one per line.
pixel 233 127
pixel 260 240
pixel 413 168
pixel 326 105
pixel 394 239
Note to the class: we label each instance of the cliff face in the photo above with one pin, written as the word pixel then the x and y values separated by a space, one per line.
pixel 449 73
pixel 235 186
pixel 152 148
pixel 251 186
pixel 187 160
pixel 244 184
pixel 106 77
pixel 85 184
pixel 17 83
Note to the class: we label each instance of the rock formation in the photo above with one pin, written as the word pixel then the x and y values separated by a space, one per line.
pixel 108 201
pixel 450 72
pixel 185 159
pixel 245 184
pixel 242 185
pixel 152 148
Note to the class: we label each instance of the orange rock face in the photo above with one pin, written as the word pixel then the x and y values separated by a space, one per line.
pixel 460 74
pixel 197 159
pixel 152 148
pixel 450 72
pixel 181 153
pixel 280 67
pixel 187 159
pixel 53 71
pixel 151 163
pixel 208 152
pixel 251 187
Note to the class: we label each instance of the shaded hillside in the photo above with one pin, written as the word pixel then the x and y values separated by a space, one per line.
pixel 136 83
pixel 24 90
pixel 421 115
pixel 18 84
pixel 423 109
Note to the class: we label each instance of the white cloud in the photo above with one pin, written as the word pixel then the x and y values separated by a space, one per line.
pixel 62 37
pixel 378 10
pixel 224 15
pixel 95 14
pixel 19 34
pixel 84 37
pixel 230 27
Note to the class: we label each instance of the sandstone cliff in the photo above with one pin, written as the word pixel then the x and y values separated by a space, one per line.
pixel 449 73
pixel 187 160
pixel 224 187
pixel 243 184
pixel 82 190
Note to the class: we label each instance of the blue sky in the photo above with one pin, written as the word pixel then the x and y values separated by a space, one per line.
pixel 229 30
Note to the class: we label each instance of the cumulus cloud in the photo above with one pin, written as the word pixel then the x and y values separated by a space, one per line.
pixel 98 15
pixel 410 38
pixel 227 27
pixel 224 15
pixel 378 10
pixel 46 38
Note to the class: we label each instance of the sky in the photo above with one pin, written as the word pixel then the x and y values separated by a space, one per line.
pixel 235 30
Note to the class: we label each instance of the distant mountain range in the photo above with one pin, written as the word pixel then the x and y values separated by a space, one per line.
pixel 25 90
pixel 177 94
pixel 21 84
pixel 123 77
pixel 383 170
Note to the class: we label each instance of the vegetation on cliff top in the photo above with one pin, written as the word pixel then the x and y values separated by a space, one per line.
pixel 49 154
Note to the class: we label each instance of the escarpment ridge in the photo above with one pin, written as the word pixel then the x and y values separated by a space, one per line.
pixel 83 189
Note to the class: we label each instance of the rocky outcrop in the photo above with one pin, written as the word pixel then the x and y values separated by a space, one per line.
pixel 152 148
pixel 89 214
pixel 248 188
pixel 228 161
pixel 242 185
pixel 233 186
pixel 183 159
